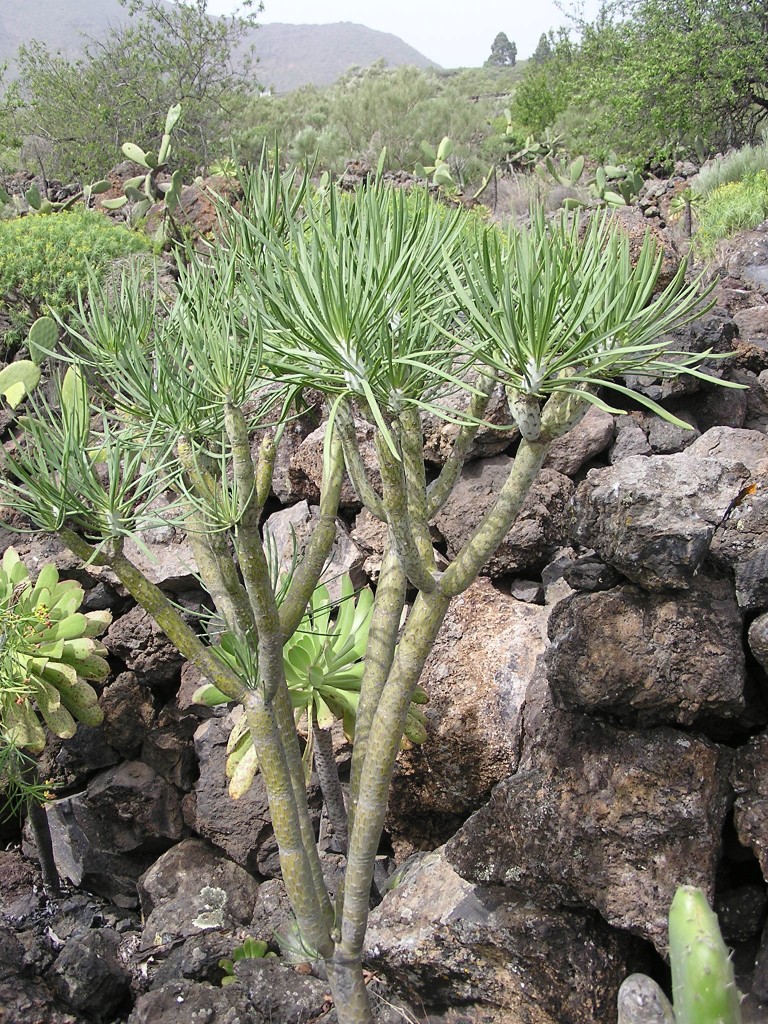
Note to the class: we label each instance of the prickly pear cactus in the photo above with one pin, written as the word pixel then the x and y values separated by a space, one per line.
pixel 48 655
pixel 703 986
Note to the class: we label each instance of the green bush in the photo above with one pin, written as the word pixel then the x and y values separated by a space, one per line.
pixel 734 167
pixel 735 206
pixel 44 260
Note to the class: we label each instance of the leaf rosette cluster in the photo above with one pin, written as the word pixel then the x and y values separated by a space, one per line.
pixel 49 656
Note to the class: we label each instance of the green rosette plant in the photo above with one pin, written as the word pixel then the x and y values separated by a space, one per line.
pixel 324 662
pixel 250 949
pixel 49 655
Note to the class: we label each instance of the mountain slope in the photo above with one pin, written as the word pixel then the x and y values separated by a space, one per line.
pixel 289 55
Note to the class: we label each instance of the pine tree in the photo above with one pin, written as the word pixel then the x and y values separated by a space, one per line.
pixel 543 51
pixel 503 53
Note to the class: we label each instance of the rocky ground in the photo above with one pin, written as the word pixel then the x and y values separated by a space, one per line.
pixel 596 737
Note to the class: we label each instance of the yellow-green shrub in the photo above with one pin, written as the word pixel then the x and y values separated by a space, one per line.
pixel 45 259
pixel 735 206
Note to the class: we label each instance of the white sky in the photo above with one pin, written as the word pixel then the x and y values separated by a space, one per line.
pixel 451 34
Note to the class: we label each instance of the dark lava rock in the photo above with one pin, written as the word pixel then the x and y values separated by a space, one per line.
pixel 653 518
pixel 448 942
pixel 540 529
pixel 649 659
pixel 88 975
pixel 603 817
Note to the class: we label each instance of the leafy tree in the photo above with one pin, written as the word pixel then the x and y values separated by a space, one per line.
pixel 503 53
pixel 648 78
pixel 357 298
pixel 124 83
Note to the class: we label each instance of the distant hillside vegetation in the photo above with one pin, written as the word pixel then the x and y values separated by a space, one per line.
pixel 294 55
pixel 289 55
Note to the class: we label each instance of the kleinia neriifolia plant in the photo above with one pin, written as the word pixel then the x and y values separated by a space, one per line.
pixel 383 304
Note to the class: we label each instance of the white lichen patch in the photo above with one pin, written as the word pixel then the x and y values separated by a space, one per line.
pixel 212 903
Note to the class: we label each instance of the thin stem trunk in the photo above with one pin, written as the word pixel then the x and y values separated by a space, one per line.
pixel 41 831
pixel 333 795
pixel 381 752
pixel 380 650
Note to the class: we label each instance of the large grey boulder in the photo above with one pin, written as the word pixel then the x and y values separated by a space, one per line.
pixel 129 712
pixel 597 816
pixel 180 1002
pixel 731 444
pixel 165 557
pixel 291 528
pixel 540 529
pixel 649 659
pixel 447 942
pixel 306 466
pixel 242 827
pixel 89 976
pixel 440 434
pixel 476 676
pixel 170 889
pixel 278 993
pixel 715 332
pixel 653 518
pixel 105 837
pixel 592 435
pixel 137 639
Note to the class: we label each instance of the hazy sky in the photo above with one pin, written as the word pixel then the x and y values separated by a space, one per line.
pixel 451 34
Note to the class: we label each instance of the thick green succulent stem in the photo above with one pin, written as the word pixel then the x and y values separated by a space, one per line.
pixel 350 995
pixel 363 488
pixel 313 909
pixel 383 744
pixel 401 527
pixel 285 752
pixel 379 653
pixel 315 555
pixel 440 489
pixel 492 529
pixel 412 453
pixel 250 553
pixel 560 413
pixel 219 574
pixel 154 601
pixel 265 468
pixel 703 986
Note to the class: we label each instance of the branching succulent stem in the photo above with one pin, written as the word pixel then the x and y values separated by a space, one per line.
pixel 440 489
pixel 354 463
pixel 401 527
pixel 154 601
pixel 316 553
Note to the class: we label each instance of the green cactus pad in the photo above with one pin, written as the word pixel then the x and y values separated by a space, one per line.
pixel 703 986
pixel 42 338
pixel 18 379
